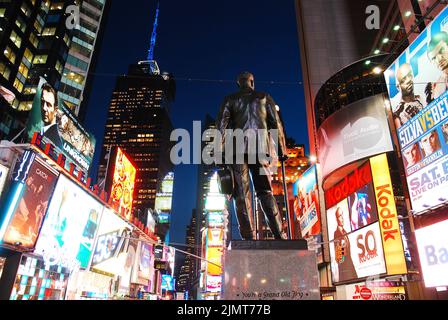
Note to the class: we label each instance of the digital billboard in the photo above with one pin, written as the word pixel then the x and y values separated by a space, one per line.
pixel 167 282
pixel 58 125
pixel 110 251
pixel 215 237
pixel 3 175
pixel 214 284
pixel 214 261
pixel 362 218
pixel 68 232
pixel 355 132
pixel 30 208
pixel 432 242
pixel 215 219
pixel 121 183
pixel 417 83
pixel 306 203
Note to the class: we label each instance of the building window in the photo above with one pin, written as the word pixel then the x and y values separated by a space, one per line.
pixel 21 24
pixel 4 71
pixel 23 70
pixel 26 10
pixel 10 55
pixel 18 85
pixel 49 32
pixel 28 55
pixel 38 26
pixel 16 39
pixel 33 40
pixel 41 59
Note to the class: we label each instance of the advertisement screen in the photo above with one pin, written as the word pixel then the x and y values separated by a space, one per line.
pixel 68 232
pixel 145 261
pixel 417 84
pixel 55 122
pixel 432 245
pixel 122 185
pixel 111 252
pixel 214 284
pixel 306 203
pixel 215 203
pixel 215 219
pixel 164 202
pixel 167 282
pixel 3 175
pixel 214 264
pixel 357 131
pixel 373 290
pixel 356 250
pixel 215 237
pixel 357 255
pixel 26 221
pixel 163 217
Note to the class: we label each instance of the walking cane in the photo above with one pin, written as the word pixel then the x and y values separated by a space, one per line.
pixel 285 192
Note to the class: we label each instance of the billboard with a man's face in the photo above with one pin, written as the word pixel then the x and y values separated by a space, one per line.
pixel 417 83
pixel 54 121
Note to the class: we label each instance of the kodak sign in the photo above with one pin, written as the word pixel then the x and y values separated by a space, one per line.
pixel 359 178
pixel 387 215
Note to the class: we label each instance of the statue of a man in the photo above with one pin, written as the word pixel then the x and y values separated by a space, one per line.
pixel 255 114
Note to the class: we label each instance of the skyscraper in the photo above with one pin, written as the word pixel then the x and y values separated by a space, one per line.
pixel 139 123
pixel 205 173
pixel 187 270
pixel 75 82
pixel 36 41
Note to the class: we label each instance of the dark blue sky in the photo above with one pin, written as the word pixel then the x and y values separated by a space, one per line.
pixel 202 39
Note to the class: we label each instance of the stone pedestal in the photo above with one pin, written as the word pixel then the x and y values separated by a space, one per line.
pixel 270 270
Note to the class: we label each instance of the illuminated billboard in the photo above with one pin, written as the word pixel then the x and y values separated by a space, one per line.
pixel 214 284
pixel 215 237
pixel 164 198
pixel 3 175
pixel 215 219
pixel 167 282
pixel 164 202
pixel 417 83
pixel 432 242
pixel 68 232
pixel 373 290
pixel 57 125
pixel 363 205
pixel 120 183
pixel 144 264
pixel 306 203
pixel 110 254
pixel 355 132
pixel 362 214
pixel 28 211
pixel 214 261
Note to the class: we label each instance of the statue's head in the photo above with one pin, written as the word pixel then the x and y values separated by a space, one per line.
pixel 246 80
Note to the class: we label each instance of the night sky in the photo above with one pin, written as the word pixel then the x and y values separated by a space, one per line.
pixel 209 40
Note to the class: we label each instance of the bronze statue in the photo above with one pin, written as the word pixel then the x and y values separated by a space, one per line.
pixel 252 111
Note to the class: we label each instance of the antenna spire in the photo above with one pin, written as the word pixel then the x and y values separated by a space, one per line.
pixel 154 35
